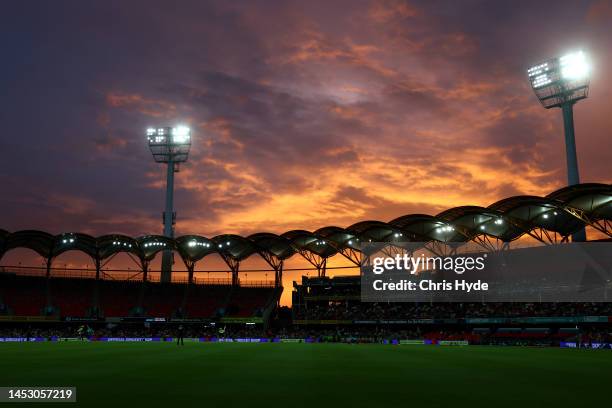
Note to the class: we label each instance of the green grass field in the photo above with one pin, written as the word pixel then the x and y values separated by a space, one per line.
pixel 313 375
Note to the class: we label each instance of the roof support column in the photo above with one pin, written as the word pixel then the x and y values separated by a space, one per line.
pixel 97 262
pixel 601 225
pixel 145 270
pixel 234 266
pixel 351 254
pixel 278 276
pixel 321 271
pixel 315 260
pixel 277 266
pixel 48 284
pixel 96 294
pixel 190 268
pixel 49 261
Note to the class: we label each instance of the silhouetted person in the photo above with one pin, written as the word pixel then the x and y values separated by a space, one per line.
pixel 179 335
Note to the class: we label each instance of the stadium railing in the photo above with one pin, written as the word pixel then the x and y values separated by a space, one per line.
pixel 126 275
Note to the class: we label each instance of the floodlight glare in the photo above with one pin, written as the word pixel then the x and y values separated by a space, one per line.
pixel 560 83
pixel 169 145
pixel 561 80
pixel 180 134
pixel 574 66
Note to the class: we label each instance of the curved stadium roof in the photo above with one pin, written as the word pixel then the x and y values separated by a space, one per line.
pixel 562 212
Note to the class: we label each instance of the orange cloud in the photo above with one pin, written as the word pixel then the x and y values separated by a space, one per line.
pixel 150 107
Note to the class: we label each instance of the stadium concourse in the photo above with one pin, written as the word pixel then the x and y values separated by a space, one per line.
pixel 49 302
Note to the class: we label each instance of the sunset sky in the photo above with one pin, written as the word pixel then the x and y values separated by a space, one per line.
pixel 304 113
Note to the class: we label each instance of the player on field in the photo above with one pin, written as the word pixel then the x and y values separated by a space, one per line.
pixel 179 335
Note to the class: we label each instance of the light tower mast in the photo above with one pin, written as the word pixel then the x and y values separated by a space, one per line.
pixel 560 83
pixel 169 145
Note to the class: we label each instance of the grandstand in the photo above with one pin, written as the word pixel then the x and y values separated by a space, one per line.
pixel 89 298
pixel 324 304
pixel 319 303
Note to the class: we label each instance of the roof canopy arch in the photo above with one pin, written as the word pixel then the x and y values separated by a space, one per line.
pixel 75 241
pixel 584 196
pixel 303 240
pixel 275 245
pixel 311 247
pixel 344 241
pixel 423 227
pixel 112 244
pixel 38 241
pixel 233 246
pixel 4 235
pixel 151 245
pixel 193 248
pixel 339 237
pixel 474 222
pixel 377 231
pixel 533 212
pixel 562 212
pixel 591 203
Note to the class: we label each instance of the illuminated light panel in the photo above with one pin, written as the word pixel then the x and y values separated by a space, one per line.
pixel 574 66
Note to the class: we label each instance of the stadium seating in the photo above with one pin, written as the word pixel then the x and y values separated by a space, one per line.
pixel 23 295
pixel 163 300
pixel 118 298
pixel 205 301
pixel 75 297
pixel 338 298
pixel 72 297
pixel 246 302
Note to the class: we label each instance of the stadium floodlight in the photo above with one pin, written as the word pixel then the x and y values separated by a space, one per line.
pixel 169 145
pixel 560 83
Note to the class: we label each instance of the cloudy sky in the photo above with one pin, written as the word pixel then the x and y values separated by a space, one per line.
pixel 304 113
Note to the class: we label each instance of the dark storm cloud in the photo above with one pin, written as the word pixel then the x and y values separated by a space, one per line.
pixel 304 113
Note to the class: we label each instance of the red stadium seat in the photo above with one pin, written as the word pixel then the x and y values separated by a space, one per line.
pixel 205 300
pixel 74 297
pixel 163 300
pixel 247 302
pixel 24 295
pixel 118 298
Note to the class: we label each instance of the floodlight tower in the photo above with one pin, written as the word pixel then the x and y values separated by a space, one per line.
pixel 169 145
pixel 560 83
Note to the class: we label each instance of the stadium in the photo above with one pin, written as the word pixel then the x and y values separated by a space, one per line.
pixel 97 294
pixel 54 305
pixel 327 251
